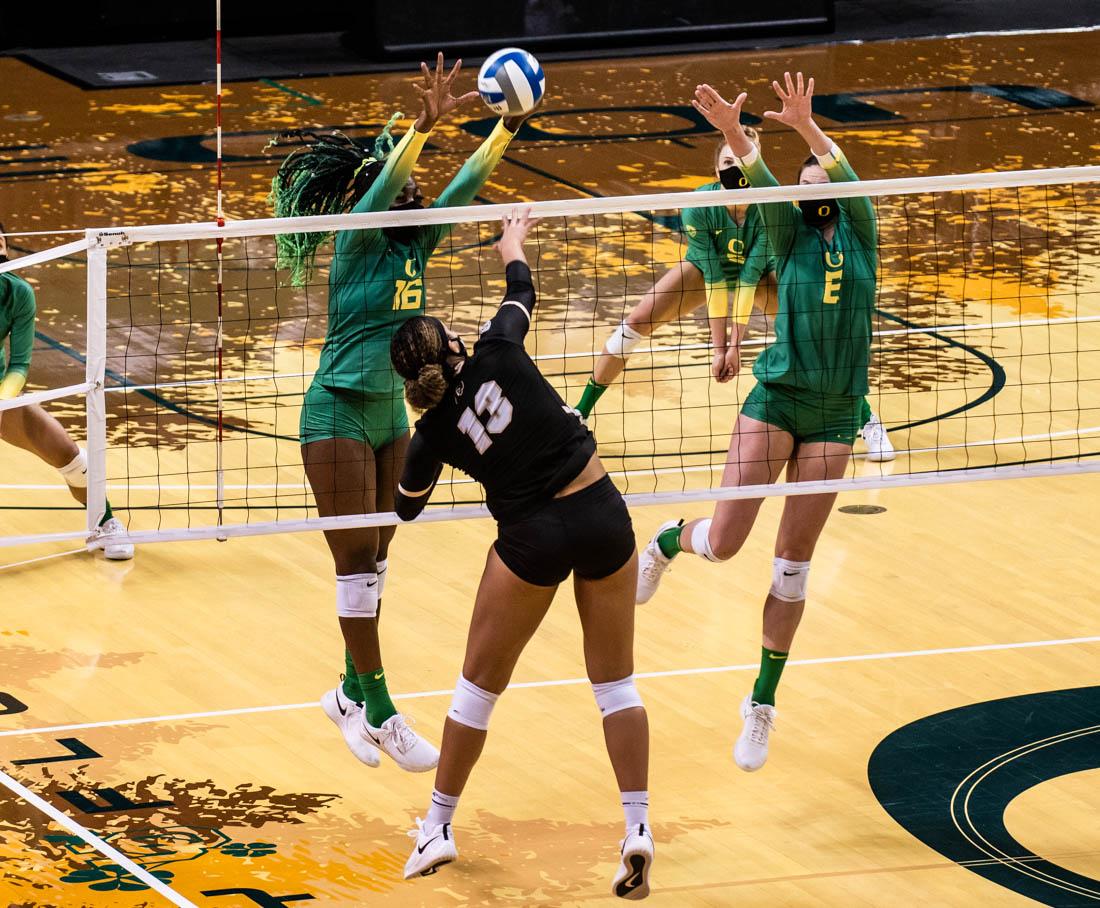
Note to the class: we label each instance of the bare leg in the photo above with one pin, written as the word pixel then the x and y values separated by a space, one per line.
pixel 33 429
pixel 606 609
pixel 804 518
pixel 343 475
pixel 757 454
pixel 506 614
pixel 678 292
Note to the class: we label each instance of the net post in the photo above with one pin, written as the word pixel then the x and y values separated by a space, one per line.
pixel 95 369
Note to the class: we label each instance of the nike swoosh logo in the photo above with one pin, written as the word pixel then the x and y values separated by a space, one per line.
pixel 371 583
pixel 633 881
pixel 775 657
pixel 340 706
pixel 371 736
pixel 791 573
pixel 420 848
pixel 378 677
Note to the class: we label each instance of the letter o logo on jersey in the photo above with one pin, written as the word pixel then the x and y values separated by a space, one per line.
pixel 737 246
pixel 691 231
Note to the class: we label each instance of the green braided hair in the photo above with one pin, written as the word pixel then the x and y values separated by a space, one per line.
pixel 326 176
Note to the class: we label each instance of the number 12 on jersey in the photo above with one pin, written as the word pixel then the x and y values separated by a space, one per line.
pixel 490 402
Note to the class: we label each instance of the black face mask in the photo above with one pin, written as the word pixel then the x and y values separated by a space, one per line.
pixel 3 258
pixel 404 235
pixel 732 177
pixel 449 369
pixel 819 212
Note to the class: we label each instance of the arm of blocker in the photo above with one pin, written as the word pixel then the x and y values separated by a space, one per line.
pixel 781 219
pixel 20 342
pixel 395 173
pixel 860 210
pixel 468 181
pixel 511 323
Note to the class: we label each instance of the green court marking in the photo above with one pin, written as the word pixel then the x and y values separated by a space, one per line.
pixel 309 99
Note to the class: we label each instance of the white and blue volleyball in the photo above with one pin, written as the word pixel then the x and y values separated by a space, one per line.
pixel 511 82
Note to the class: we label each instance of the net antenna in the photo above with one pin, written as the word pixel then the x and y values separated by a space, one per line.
pixel 220 218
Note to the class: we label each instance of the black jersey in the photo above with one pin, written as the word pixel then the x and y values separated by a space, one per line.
pixel 500 422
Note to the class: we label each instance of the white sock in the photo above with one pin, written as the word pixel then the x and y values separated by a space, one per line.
pixel 635 809
pixel 442 809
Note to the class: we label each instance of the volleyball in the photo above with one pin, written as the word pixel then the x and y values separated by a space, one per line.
pixel 511 82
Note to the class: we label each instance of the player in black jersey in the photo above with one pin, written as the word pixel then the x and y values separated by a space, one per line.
pixel 494 416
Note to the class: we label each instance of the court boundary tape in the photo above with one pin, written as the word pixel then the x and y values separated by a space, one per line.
pixel 563 682
pixel 90 838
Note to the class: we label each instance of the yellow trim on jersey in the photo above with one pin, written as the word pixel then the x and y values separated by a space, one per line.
pixel 743 298
pixel 12 385
pixel 718 303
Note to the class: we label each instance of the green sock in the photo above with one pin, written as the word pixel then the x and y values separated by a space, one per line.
pixel 668 541
pixel 592 393
pixel 864 413
pixel 771 667
pixel 376 698
pixel 351 679
pixel 107 514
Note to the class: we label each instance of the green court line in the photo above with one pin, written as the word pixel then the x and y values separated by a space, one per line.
pixel 309 99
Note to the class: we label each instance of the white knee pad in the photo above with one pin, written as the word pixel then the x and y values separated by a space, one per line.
pixel 623 341
pixel 471 706
pixel 75 472
pixel 789 579
pixel 357 595
pixel 614 696
pixel 700 541
pixel 383 566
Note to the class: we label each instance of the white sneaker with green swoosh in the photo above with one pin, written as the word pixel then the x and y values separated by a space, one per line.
pixel 632 879
pixel 435 846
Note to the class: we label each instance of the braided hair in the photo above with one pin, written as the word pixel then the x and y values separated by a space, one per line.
pixel 328 176
pixel 418 352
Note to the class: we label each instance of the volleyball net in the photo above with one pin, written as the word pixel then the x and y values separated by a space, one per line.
pixel 199 351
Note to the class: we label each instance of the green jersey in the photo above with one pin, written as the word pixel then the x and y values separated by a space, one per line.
pixel 17 312
pixel 733 257
pixel 377 283
pixel 826 290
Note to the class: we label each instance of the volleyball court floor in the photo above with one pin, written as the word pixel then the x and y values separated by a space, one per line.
pixel 937 733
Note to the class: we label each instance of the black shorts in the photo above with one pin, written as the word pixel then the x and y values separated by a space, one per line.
pixel 588 532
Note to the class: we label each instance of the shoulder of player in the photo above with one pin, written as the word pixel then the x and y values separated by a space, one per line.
pixel 20 293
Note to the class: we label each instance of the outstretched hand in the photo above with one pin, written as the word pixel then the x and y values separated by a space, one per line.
pixel 797 101
pixel 516 226
pixel 436 93
pixel 719 112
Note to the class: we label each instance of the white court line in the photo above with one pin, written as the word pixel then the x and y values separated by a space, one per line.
pixel 15 564
pixel 25 794
pixel 563 682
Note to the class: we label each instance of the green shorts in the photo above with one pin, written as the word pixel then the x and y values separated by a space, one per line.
pixel 339 414
pixel 807 415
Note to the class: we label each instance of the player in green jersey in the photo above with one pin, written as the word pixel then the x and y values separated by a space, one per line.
pixel 354 429
pixel 726 255
pixel 30 427
pixel 805 411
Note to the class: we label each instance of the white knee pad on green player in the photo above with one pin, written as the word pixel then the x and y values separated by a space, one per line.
pixel 357 595
pixel 75 472
pixel 613 696
pixel 623 341
pixel 789 579
pixel 471 706
pixel 700 541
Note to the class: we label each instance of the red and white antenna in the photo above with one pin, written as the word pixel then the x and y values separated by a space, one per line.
pixel 220 214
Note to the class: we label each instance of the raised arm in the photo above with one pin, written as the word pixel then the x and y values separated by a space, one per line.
pixel 513 318
pixel 780 219
pixel 418 479
pixel 436 100
pixel 797 98
pixel 20 343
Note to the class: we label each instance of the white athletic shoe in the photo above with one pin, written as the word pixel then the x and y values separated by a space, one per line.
pixel 652 565
pixel 751 750
pixel 410 751
pixel 632 878
pixel 347 715
pixel 879 448
pixel 435 846
pixel 114 551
